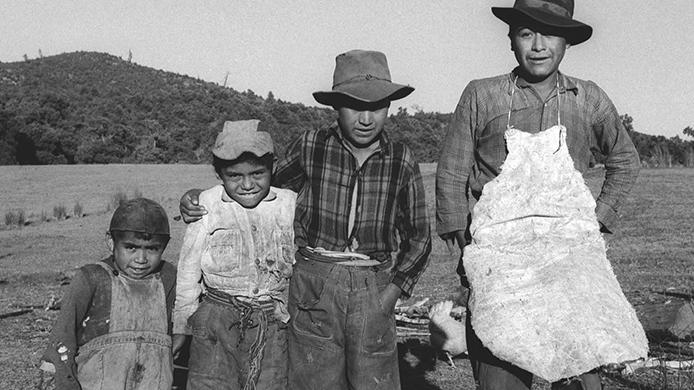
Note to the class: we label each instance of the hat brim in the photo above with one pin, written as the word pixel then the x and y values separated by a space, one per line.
pixel 367 91
pixel 574 31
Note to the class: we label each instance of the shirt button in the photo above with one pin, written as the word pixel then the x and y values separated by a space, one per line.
pixel 255 290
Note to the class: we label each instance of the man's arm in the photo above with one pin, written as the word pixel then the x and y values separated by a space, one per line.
pixel 453 171
pixel 288 171
pixel 622 164
pixel 415 234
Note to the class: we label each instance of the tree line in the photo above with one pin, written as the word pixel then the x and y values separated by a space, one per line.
pixel 95 108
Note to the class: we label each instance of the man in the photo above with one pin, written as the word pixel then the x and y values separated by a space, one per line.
pixel 360 198
pixel 533 97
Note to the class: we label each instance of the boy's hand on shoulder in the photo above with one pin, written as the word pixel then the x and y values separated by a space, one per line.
pixel 178 341
pixel 189 207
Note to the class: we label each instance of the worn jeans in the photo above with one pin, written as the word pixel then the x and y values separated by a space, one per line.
pixel 339 337
pixel 221 348
pixel 492 373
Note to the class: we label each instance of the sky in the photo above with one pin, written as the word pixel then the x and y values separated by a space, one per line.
pixel 640 53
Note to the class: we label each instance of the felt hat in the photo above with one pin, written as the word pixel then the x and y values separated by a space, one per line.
pixel 554 15
pixel 362 75
pixel 238 137
pixel 140 215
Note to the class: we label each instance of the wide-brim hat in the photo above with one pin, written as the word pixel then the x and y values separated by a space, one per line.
pixel 238 137
pixel 362 75
pixel 555 15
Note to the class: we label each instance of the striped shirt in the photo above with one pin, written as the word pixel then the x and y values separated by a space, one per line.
pixel 474 147
pixel 390 214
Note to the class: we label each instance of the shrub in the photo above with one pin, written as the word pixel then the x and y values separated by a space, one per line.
pixel 59 212
pixel 117 198
pixel 15 217
pixel 77 210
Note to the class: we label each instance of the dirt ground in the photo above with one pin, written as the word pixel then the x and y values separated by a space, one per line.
pixel 652 256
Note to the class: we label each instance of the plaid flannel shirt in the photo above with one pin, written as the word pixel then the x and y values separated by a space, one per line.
pixel 391 210
pixel 474 147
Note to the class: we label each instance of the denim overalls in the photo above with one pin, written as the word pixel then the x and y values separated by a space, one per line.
pixel 136 353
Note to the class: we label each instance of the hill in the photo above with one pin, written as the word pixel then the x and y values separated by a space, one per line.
pixel 87 107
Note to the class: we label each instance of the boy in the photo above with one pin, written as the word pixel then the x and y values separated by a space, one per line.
pixel 114 325
pixel 239 258
pixel 361 198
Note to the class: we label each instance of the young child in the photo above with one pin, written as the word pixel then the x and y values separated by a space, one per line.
pixel 361 229
pixel 239 258
pixel 114 328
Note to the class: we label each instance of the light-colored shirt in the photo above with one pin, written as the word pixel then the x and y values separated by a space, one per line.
pixel 247 253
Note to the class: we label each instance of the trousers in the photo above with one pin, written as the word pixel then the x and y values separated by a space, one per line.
pixel 339 337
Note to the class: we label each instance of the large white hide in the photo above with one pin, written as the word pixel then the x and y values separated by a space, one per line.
pixel 544 296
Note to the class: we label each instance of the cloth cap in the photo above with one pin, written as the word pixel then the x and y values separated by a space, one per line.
pixel 242 136
pixel 362 75
pixel 140 215
pixel 555 15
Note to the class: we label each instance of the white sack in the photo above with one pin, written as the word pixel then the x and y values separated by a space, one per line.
pixel 544 296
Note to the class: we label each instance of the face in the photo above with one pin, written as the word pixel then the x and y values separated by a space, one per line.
pixel 246 182
pixel 538 54
pixel 361 125
pixel 135 256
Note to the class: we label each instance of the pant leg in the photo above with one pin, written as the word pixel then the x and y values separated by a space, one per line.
pixel 490 372
pixel 273 369
pixel 315 334
pixel 588 381
pixel 212 364
pixel 372 356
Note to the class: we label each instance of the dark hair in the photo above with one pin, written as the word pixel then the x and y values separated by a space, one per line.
pixel 267 160
pixel 359 105
pixel 118 235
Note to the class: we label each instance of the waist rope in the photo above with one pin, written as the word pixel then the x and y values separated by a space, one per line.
pixel 245 322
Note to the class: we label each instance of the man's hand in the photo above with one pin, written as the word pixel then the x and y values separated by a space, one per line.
pixel 452 238
pixel 389 297
pixel 177 344
pixel 190 210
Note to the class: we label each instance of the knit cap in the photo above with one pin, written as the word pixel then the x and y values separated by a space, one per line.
pixel 140 215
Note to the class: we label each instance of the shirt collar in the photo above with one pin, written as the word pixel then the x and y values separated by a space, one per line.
pixel 565 83
pixel 272 195
pixel 384 140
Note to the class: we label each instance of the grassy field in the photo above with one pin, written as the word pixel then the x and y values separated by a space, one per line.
pixel 651 252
